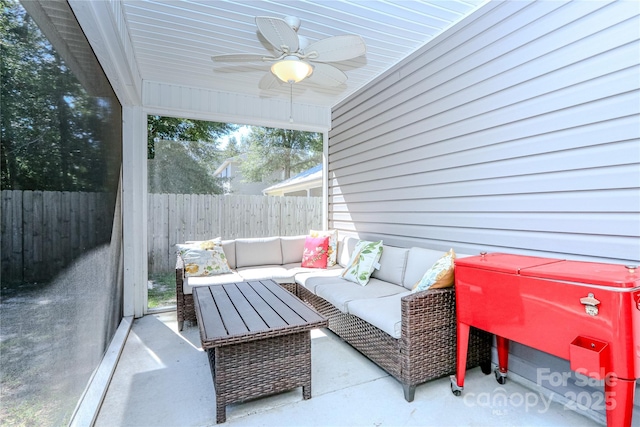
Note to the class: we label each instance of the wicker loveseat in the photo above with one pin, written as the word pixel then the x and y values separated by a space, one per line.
pixel 410 335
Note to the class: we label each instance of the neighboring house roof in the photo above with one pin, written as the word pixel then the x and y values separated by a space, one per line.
pixel 311 178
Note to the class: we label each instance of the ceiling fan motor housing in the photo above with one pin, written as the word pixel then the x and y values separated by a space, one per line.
pixel 293 22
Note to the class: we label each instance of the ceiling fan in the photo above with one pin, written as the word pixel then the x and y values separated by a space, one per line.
pixel 295 59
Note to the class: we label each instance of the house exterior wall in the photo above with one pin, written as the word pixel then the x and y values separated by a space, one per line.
pixel 515 131
pixel 238 186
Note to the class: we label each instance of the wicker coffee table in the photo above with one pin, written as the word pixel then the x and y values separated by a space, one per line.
pixel 257 337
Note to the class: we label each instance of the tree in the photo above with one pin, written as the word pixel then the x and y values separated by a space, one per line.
pixel 177 129
pixel 280 150
pixel 183 154
pixel 233 148
pixel 174 170
pixel 55 136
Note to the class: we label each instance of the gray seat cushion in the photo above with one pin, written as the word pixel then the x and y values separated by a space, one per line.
pixel 343 292
pixel 278 273
pixel 190 282
pixel 384 313
pixel 296 269
pixel 313 279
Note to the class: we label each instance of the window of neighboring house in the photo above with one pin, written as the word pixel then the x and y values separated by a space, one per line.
pixel 61 282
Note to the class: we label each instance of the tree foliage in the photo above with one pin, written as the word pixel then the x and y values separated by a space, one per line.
pixel 271 151
pixel 178 129
pixel 175 170
pixel 234 148
pixel 183 154
pixel 55 136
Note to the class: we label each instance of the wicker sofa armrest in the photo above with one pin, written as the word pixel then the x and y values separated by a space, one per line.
pixel 180 302
pixel 428 339
pixel 179 272
pixel 423 311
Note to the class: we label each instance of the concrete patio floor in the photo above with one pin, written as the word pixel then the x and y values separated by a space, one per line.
pixel 163 379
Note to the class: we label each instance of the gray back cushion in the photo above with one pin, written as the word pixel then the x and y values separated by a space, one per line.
pixel 345 248
pixel 258 251
pixel 292 248
pixel 392 264
pixel 229 248
pixel 419 261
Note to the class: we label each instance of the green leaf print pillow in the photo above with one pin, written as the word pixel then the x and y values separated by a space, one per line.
pixel 203 262
pixel 363 261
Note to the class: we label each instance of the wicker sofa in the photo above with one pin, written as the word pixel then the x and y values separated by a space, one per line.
pixel 277 258
pixel 410 335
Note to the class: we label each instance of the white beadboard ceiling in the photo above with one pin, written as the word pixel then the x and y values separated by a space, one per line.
pixel 173 41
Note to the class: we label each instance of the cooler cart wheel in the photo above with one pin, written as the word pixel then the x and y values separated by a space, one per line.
pixel 485 367
pixel 501 377
pixel 455 388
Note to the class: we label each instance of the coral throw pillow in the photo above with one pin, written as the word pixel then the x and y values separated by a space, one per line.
pixel 332 249
pixel 315 252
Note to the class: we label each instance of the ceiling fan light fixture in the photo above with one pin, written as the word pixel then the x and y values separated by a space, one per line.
pixel 292 69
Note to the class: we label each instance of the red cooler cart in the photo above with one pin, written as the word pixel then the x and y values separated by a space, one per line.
pixel 585 312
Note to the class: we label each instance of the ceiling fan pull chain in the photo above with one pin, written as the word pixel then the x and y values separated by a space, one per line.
pixel 291 103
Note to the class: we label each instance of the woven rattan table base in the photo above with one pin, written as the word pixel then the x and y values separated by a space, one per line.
pixel 261 367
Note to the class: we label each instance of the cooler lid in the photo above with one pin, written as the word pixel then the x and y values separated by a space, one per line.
pixel 505 263
pixel 614 275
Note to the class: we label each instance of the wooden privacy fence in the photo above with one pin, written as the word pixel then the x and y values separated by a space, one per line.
pixel 43 231
pixel 176 218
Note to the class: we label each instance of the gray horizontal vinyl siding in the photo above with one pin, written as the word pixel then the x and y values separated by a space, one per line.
pixel 517 130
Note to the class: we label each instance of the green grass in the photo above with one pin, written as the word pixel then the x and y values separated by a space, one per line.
pixel 38 386
pixel 31 392
pixel 27 413
pixel 161 290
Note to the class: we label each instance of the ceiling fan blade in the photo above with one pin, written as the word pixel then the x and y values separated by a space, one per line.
pixel 327 75
pixel 337 48
pixel 269 81
pixel 241 57
pixel 277 32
